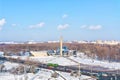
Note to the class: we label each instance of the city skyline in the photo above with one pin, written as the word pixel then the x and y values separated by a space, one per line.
pixel 46 20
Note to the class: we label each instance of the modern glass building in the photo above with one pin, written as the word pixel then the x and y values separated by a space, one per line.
pixel 65 50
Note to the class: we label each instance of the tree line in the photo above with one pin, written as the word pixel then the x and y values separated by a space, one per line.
pixel 101 51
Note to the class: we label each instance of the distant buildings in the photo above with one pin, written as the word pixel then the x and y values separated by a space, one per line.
pixel 52 41
pixel 108 42
pixel 1 54
pixel 39 53
pixel 11 42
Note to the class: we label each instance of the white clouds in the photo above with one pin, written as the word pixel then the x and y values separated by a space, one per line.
pixel 39 25
pixel 91 27
pixel 97 27
pixel 0 28
pixel 2 22
pixel 14 24
pixel 62 27
pixel 64 16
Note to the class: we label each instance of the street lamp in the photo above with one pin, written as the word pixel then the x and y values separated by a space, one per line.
pixel 79 70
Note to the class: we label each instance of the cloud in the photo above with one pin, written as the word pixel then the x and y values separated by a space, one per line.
pixel 97 27
pixel 14 24
pixel 2 23
pixel 39 25
pixel 62 27
pixel 0 28
pixel 64 16
pixel 91 27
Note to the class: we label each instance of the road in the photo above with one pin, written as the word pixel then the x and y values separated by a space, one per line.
pixel 97 71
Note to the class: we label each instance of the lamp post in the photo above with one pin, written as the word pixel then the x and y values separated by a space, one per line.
pixel 79 70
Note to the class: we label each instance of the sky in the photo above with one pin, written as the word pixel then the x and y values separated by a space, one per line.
pixel 44 20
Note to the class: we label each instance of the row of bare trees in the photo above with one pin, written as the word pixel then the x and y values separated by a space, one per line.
pixel 102 51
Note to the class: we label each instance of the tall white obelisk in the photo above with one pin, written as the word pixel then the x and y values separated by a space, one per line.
pixel 61 45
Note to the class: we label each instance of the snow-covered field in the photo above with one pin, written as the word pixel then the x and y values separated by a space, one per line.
pixel 83 59
pixel 9 65
pixel 86 60
pixel 56 60
pixel 43 74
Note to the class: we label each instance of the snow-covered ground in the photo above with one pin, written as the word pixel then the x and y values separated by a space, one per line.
pixel 86 60
pixel 43 74
pixel 56 60
pixel 68 77
pixel 9 65
pixel 49 59
pixel 81 59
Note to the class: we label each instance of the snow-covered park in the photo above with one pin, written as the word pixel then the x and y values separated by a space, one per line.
pixel 45 74
pixel 81 58
pixel 42 74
